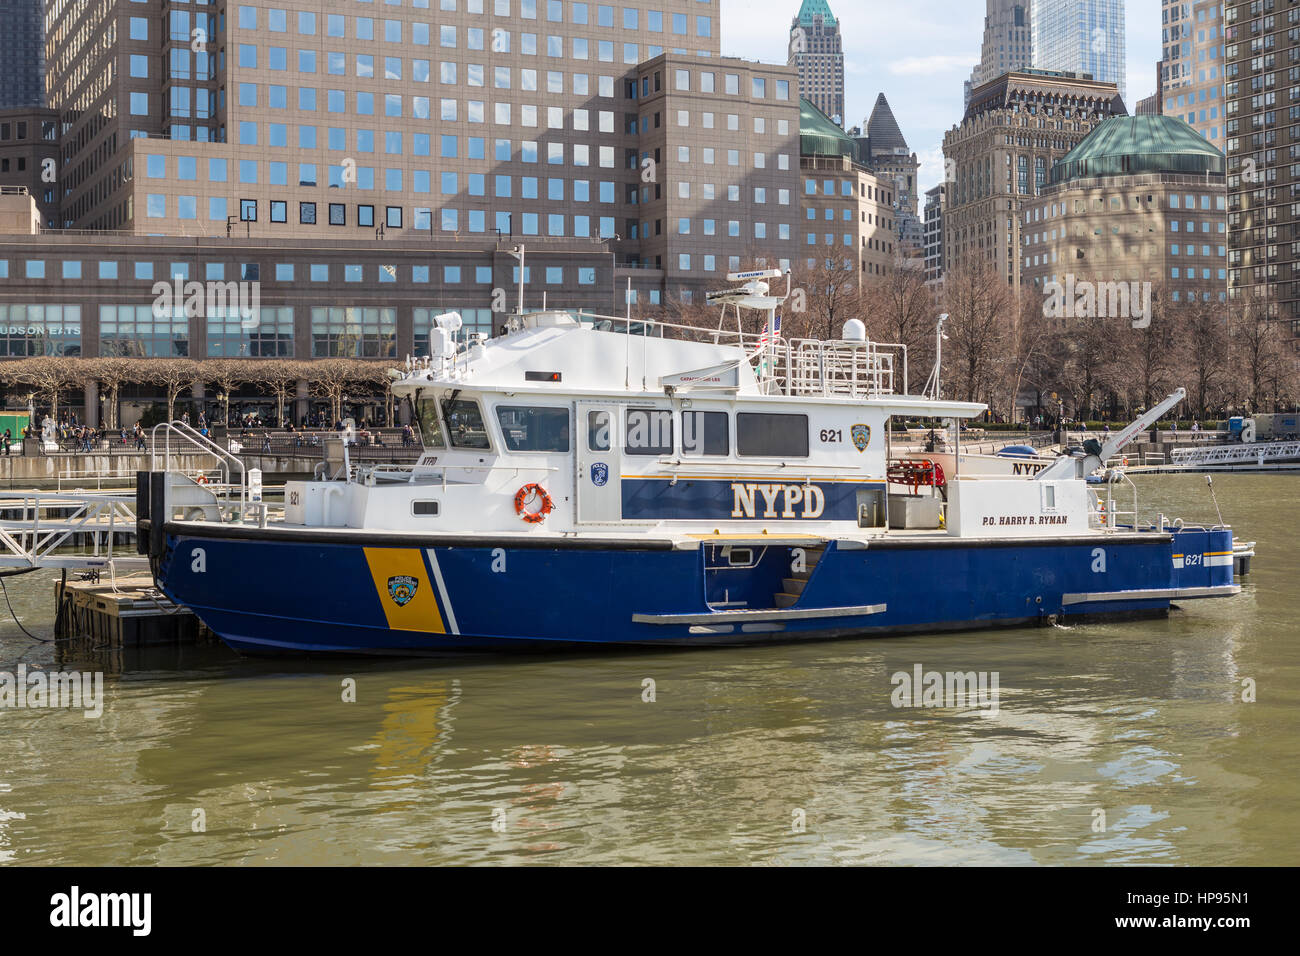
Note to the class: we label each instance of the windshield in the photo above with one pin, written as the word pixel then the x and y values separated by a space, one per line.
pixel 465 426
pixel 426 414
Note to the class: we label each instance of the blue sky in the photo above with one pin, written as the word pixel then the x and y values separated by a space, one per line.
pixel 918 54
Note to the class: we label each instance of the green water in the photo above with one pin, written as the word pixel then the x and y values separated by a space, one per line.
pixel 1141 721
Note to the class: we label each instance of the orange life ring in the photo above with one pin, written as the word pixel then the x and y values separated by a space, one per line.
pixel 525 494
pixel 201 480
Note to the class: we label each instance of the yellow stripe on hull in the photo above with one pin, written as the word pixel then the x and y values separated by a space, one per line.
pixel 420 611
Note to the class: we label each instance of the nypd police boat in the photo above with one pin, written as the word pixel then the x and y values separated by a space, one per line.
pixel 590 480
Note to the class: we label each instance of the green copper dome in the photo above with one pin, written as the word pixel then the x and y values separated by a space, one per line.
pixel 1128 145
pixel 819 135
pixel 816 8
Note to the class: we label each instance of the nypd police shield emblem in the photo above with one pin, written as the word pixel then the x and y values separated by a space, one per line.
pixel 861 435
pixel 401 588
pixel 600 474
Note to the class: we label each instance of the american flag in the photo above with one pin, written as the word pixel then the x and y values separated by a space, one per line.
pixel 763 339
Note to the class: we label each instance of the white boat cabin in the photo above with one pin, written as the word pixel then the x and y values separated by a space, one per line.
pixel 571 424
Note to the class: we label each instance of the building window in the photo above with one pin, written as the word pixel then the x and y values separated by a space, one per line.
pixel 39 329
pixel 353 332
pixel 260 333
pixel 136 331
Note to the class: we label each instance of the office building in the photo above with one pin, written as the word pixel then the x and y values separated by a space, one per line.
pixel 1007 44
pixel 816 52
pixel 1192 66
pixel 90 296
pixel 1262 147
pixel 885 151
pixel 22 54
pixel 29 155
pixel 935 201
pixel 719 151
pixel 1141 199
pixel 849 211
pixel 1080 36
pixel 1002 154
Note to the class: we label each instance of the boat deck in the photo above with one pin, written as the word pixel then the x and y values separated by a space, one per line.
pixel 645 536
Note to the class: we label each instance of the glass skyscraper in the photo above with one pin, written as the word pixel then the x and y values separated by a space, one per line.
pixel 1080 36
pixel 22 53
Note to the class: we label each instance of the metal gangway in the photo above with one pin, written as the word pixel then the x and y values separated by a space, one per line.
pixel 95 530
pixel 70 530
pixel 1257 454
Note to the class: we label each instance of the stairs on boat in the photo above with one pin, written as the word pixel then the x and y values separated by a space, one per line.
pixel 793 586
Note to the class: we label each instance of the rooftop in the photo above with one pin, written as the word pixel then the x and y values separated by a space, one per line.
pixel 819 135
pixel 816 8
pixel 1125 145
pixel 882 129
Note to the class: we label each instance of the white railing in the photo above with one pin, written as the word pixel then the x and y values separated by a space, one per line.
pixel 804 367
pixel 1258 453
pixel 227 462
pixel 854 369
pixel 80 479
pixel 1110 512
pixel 39 528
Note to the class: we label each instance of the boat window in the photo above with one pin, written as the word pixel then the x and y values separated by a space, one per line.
pixel 705 433
pixel 598 431
pixel 465 424
pixel 426 416
pixel 766 435
pixel 424 509
pixel 649 432
pixel 534 429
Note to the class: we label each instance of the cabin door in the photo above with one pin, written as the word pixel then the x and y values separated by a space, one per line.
pixel 599 463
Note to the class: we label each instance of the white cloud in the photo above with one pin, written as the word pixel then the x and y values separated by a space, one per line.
pixel 931 171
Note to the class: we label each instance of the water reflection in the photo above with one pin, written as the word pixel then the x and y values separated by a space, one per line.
pixel 540 759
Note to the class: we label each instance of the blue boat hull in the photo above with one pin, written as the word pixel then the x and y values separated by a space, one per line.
pixel 269 591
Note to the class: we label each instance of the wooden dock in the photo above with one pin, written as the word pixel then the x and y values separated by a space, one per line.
pixel 130 612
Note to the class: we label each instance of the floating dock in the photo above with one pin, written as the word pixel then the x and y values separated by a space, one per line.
pixel 125 613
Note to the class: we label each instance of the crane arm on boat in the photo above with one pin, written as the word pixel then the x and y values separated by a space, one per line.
pixel 1095 453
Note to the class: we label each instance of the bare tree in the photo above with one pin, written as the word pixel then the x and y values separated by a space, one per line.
pixel 1259 351
pixel 279 378
pixel 113 372
pixel 1145 369
pixel 174 375
pixel 1203 344
pixel 824 296
pixel 332 379
pixel 227 375
pixel 48 376
pixel 1026 340
pixel 977 301
pixel 899 308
